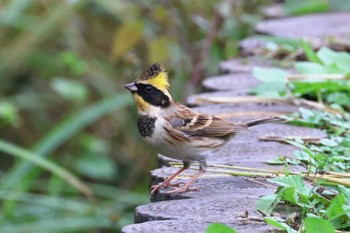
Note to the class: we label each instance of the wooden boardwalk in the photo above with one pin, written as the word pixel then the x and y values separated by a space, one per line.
pixel 230 199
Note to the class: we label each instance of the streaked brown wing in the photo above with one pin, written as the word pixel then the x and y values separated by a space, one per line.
pixel 198 124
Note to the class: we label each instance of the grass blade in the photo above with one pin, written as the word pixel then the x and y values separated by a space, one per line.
pixel 64 130
pixel 46 164
pixel 66 224
pixel 310 53
pixel 55 203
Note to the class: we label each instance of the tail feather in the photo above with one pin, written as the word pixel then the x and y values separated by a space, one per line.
pixel 265 121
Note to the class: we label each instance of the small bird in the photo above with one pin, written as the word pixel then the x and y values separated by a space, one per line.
pixel 177 131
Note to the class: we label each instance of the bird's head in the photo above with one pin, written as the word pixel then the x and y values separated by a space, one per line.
pixel 151 89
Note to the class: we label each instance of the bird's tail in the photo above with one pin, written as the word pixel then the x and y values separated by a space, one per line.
pixel 266 121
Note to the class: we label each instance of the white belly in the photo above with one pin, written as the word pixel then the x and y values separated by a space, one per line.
pixel 194 150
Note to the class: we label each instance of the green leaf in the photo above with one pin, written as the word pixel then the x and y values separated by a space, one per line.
pixel 310 53
pixel 280 225
pixel 345 192
pixel 309 152
pixel 273 82
pixel 300 7
pixel 328 142
pixel 269 75
pixel 340 98
pixel 335 209
pixel 272 90
pixel 307 113
pixel 312 87
pixel 282 160
pixel 310 68
pixel 301 155
pixel 295 181
pixel 219 228
pixel 288 194
pixel 267 203
pixel 281 41
pixel 329 57
pixel 314 225
pixel 277 161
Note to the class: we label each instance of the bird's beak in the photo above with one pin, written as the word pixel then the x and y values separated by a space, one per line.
pixel 131 87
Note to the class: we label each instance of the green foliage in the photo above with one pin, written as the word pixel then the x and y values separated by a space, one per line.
pixel 44 163
pixel 299 7
pixel 333 206
pixel 62 131
pixel 313 225
pixel 295 182
pixel 310 53
pixel 332 153
pixel 8 114
pixel 219 228
pixel 334 92
pixel 278 224
pixel 273 82
pixel 330 206
pixel 280 45
pixel 267 203
pixel 282 160
pixel 324 206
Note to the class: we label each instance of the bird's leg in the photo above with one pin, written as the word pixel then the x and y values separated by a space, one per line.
pixel 202 169
pixel 167 183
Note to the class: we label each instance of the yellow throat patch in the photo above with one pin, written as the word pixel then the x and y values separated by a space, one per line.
pixel 141 105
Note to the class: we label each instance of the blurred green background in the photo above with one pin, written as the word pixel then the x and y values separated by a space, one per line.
pixel 67 126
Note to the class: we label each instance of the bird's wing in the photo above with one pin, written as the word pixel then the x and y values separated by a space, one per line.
pixel 193 123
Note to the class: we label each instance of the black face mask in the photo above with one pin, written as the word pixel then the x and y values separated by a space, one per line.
pixel 152 95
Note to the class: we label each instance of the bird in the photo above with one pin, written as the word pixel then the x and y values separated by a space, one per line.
pixel 177 131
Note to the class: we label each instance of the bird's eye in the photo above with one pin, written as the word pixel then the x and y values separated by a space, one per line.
pixel 148 89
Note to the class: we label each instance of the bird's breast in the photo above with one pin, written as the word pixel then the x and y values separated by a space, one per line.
pixel 146 125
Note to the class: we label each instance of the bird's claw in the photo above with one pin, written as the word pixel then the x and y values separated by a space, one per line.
pixel 165 184
pixel 182 189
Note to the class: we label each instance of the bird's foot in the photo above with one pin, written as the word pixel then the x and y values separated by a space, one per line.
pixel 165 184
pixel 182 189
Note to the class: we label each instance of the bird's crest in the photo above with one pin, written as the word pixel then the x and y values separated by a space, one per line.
pixel 155 75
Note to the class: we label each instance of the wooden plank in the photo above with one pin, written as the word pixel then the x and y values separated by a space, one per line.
pixel 188 226
pixel 240 82
pixel 246 64
pixel 316 26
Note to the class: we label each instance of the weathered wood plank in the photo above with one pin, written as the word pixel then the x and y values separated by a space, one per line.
pixel 246 65
pixel 183 226
pixel 219 199
pixel 240 82
pixel 328 29
pixel 316 26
